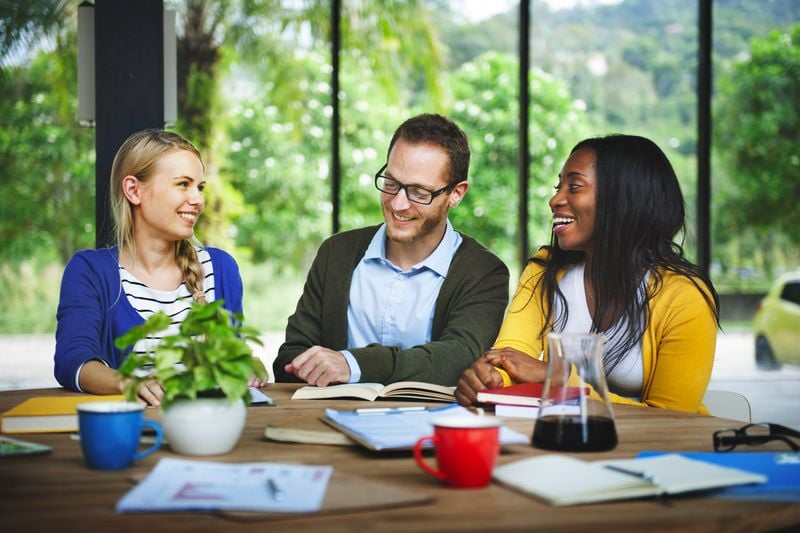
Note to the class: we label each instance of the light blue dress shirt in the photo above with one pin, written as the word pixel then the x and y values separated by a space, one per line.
pixel 391 306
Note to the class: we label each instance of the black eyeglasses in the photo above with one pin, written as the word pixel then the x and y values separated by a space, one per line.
pixel 726 440
pixel 418 195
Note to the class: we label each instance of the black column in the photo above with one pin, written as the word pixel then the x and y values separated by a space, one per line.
pixel 129 86
pixel 523 166
pixel 704 23
pixel 336 164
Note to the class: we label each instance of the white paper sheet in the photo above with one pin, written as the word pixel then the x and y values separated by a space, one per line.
pixel 186 485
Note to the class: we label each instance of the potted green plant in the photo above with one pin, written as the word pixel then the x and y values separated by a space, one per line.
pixel 204 369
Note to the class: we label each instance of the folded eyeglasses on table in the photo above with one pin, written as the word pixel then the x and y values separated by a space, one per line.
pixel 726 440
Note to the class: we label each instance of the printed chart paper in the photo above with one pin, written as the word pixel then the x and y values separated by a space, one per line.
pixel 185 485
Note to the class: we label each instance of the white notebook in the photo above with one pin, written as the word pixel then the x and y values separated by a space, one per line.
pixel 563 480
pixel 398 428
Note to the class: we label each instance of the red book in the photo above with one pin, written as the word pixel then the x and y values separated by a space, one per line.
pixel 522 394
pixel 527 394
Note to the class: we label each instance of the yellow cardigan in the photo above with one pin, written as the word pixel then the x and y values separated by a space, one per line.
pixel 677 347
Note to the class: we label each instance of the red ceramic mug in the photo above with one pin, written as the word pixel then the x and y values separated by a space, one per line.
pixel 466 449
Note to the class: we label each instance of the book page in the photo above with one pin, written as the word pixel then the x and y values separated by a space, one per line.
pixel 676 474
pixel 782 470
pixel 563 480
pixel 364 391
pixel 418 389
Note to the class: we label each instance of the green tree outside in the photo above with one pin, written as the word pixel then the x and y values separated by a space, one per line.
pixel 759 127
pixel 485 106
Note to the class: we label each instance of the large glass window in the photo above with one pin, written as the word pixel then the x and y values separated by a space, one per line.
pixel 260 103
pixel 629 67
pixel 46 187
pixel 755 160
pixel 457 58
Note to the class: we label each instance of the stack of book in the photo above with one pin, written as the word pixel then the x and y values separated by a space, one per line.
pixel 515 401
pixel 48 414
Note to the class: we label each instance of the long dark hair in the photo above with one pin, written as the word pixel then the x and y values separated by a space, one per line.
pixel 639 212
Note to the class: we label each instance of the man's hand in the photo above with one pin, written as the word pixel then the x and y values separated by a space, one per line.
pixel 320 366
pixel 519 365
pixel 481 375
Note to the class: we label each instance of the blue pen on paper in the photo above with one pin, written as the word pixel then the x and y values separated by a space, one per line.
pixel 275 492
pixel 388 410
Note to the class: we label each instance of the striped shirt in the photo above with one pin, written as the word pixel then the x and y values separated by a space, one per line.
pixel 175 303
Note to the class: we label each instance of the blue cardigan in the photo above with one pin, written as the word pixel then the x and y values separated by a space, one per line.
pixel 93 310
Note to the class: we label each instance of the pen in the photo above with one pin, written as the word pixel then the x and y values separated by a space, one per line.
pixel 647 476
pixel 643 475
pixel 386 410
pixel 275 492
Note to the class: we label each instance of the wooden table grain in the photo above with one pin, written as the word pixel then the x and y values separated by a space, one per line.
pixel 57 492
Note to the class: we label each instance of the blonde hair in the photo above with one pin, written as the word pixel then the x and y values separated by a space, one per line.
pixel 137 157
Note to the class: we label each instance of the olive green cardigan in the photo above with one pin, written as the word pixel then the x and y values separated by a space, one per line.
pixel 467 317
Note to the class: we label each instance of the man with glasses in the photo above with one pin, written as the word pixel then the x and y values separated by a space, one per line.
pixel 411 299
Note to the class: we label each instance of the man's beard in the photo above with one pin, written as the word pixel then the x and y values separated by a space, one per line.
pixel 427 228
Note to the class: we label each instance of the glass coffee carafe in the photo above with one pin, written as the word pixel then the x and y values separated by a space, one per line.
pixel 575 414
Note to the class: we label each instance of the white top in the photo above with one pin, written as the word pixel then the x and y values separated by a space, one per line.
pixel 627 377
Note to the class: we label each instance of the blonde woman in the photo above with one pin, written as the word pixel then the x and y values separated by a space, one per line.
pixel 156 189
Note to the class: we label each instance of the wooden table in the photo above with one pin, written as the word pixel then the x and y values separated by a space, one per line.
pixel 56 492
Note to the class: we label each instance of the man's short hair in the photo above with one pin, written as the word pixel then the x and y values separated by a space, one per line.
pixel 441 132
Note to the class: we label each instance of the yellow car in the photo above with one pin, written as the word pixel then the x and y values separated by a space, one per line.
pixel 776 326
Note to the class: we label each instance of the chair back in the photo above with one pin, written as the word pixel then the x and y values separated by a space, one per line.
pixel 727 404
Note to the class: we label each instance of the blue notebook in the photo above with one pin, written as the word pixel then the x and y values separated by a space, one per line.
pixel 781 468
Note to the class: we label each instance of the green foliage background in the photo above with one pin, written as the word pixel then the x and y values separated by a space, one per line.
pixel 759 109
pixel 255 95
pixel 46 161
pixel 485 105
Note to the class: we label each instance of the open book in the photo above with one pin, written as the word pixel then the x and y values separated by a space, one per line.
pixel 563 480
pixel 414 390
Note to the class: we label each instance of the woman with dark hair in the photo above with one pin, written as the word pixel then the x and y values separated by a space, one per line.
pixel 613 268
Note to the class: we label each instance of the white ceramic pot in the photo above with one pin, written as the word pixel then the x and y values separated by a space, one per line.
pixel 205 426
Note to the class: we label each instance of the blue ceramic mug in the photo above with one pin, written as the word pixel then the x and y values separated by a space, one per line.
pixel 110 433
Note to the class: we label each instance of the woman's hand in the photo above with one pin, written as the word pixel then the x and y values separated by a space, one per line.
pixel 519 365
pixel 98 378
pixel 257 382
pixel 150 392
pixel 481 375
